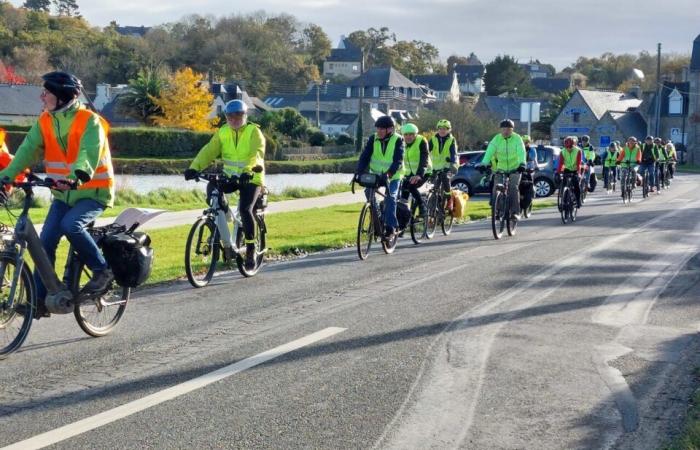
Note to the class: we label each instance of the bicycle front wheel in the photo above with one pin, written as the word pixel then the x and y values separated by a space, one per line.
pixel 447 222
pixel 564 202
pixel 365 232
pixel 432 219
pixel 260 231
pixel 98 316
pixel 573 210
pixel 497 212
pixel 17 313
pixel 202 252
pixel 418 222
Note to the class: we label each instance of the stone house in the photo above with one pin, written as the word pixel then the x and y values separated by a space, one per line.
pixel 19 104
pixel 497 108
pixel 674 112
pixel 345 61
pixel 445 87
pixel 693 126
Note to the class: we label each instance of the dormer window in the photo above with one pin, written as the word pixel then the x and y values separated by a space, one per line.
pixel 675 103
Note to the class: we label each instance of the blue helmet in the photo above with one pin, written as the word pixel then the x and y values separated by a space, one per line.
pixel 235 106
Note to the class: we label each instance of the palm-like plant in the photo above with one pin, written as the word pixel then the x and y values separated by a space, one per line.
pixel 137 101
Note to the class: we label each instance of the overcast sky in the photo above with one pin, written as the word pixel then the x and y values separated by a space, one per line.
pixel 554 31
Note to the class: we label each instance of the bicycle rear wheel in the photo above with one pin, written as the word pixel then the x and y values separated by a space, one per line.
pixel 431 223
pixel 98 316
pixel 447 222
pixel 365 232
pixel 202 252
pixel 417 225
pixel 645 185
pixel 564 202
pixel 497 212
pixel 15 320
pixel 573 210
pixel 260 243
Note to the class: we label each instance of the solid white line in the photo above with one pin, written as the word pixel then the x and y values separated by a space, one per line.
pixel 120 412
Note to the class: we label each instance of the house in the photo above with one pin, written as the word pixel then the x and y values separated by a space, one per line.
pixel 674 112
pixel 116 116
pixel 693 126
pixel 344 61
pixel 444 87
pixel 618 126
pixel 105 93
pixel 386 86
pixel 20 104
pixel 536 70
pixel 585 109
pixel 551 85
pixel 497 108
pixel 225 92
pixel 133 31
pixel 470 77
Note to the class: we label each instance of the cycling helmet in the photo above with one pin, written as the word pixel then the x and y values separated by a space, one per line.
pixel 63 85
pixel 507 124
pixel 657 140
pixel 649 138
pixel 585 138
pixel 384 122
pixel 526 138
pixel 569 142
pixel 409 128
pixel 235 106
pixel 444 123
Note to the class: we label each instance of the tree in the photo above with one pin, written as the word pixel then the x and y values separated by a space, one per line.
pixel 185 103
pixel 138 101
pixel 67 8
pixel 469 129
pixel 38 5
pixel 504 74
pixel 316 45
pixel 556 105
pixel 9 76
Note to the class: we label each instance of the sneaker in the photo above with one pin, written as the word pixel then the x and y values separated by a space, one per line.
pixel 389 233
pixel 99 282
pixel 250 256
pixel 229 254
pixel 515 217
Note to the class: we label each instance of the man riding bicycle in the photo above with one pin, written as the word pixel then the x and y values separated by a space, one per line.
pixel 672 159
pixel 661 171
pixel 570 162
pixel 610 166
pixel 589 157
pixel 416 164
pixel 630 156
pixel 650 154
pixel 443 153
pixel 241 147
pixel 507 152
pixel 72 141
pixel 383 155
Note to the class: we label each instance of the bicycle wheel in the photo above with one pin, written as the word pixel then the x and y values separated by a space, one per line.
pixel 431 224
pixel 645 185
pixel 564 209
pixel 389 245
pixel 202 252
pixel 447 222
pixel 573 210
pixel 417 225
pixel 98 316
pixel 497 212
pixel 584 191
pixel 511 226
pixel 15 321
pixel 260 242
pixel 365 232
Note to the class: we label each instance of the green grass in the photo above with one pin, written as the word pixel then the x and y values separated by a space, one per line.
pixel 689 439
pixel 692 168
pixel 293 193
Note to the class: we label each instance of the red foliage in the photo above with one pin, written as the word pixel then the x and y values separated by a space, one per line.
pixel 8 75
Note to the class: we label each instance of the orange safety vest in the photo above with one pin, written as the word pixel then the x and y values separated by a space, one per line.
pixel 57 163
pixel 3 147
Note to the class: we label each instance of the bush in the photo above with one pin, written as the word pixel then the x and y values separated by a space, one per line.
pixel 296 144
pixel 24 128
pixel 317 137
pixel 343 139
pixel 156 143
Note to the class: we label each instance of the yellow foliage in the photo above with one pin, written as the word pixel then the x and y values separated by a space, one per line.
pixel 185 103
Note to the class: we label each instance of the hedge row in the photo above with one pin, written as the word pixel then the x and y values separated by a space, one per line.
pixel 177 166
pixel 156 143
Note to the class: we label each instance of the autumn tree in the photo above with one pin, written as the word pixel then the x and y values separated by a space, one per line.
pixel 9 76
pixel 185 103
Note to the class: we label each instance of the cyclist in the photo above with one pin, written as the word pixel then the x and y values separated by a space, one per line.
pixel 610 166
pixel 383 155
pixel 530 153
pixel 241 147
pixel 649 157
pixel 417 164
pixel 526 181
pixel 630 156
pixel 443 153
pixel 507 152
pixel 671 152
pixel 589 157
pixel 73 143
pixel 662 161
pixel 570 162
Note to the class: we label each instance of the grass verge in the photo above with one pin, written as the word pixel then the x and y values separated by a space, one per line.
pixel 689 439
pixel 691 168
pixel 164 166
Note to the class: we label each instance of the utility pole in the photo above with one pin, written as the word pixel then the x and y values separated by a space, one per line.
pixel 359 138
pixel 658 91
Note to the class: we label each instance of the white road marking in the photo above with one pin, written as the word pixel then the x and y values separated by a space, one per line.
pixel 120 412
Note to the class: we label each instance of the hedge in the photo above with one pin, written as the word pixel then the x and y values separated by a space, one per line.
pixel 146 166
pixel 14 139
pixel 156 143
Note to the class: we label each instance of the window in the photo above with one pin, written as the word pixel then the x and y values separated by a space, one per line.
pixel 543 154
pixel 375 91
pixel 576 117
pixel 355 68
pixel 675 103
pixel 330 66
pixel 348 92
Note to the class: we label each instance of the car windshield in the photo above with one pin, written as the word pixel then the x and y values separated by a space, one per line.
pixel 542 153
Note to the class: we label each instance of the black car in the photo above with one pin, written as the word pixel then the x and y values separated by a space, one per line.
pixel 471 181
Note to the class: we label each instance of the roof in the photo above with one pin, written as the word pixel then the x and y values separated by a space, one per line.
pixel 509 107
pixel 630 123
pixel 383 76
pixel 551 85
pixel 666 91
pixel 346 51
pixel 330 92
pixel 279 101
pixel 602 101
pixel 469 72
pixel 435 82
pixel 115 117
pixel 20 100
pixel 695 58
pixel 341 119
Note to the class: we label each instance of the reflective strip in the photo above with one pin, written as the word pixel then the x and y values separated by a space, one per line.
pixel 101 176
pixel 234 163
pixel 56 165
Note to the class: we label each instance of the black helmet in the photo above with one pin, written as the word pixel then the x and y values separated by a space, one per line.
pixel 384 122
pixel 63 85
pixel 507 124
pixel 649 138
pixel 585 138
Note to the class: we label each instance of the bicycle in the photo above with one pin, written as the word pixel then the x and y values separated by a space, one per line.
pixel 96 314
pixel 628 181
pixel 438 212
pixel 527 193
pixel 664 182
pixel 610 174
pixel 418 221
pixel 204 247
pixel 501 215
pixel 566 199
pixel 645 183
pixel 585 178
pixel 370 227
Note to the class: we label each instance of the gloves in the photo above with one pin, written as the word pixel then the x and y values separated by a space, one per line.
pixel 521 168
pixel 230 186
pixel 191 174
pixel 383 179
pixel 245 178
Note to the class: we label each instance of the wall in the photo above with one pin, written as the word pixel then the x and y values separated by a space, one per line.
pixel 17 120
pixel 564 124
pixel 693 125
pixel 346 69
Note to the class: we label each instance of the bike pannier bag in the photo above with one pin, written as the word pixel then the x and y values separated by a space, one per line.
pixel 368 180
pixel 130 257
pixel 403 214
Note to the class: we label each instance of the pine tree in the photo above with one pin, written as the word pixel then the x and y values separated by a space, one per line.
pixel 185 103
pixel 67 8
pixel 38 5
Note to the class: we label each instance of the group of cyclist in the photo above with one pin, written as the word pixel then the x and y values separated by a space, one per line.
pixel 654 159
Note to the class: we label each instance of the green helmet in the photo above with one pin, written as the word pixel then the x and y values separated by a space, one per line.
pixel 409 128
pixel 526 138
pixel 444 123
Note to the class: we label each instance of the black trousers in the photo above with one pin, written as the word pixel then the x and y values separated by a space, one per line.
pixel 411 189
pixel 249 196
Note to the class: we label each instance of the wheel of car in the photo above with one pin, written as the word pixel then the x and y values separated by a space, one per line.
pixel 543 187
pixel 462 186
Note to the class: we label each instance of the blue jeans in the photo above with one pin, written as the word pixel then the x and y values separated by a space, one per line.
pixel 650 168
pixel 71 221
pixel 392 194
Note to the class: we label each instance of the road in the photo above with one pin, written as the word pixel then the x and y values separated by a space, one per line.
pixel 576 336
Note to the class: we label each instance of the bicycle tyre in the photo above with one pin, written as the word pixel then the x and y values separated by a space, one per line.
pixel 497 222
pixel 7 316
pixel 417 225
pixel 200 275
pixel 645 185
pixel 564 209
pixel 111 305
pixel 447 222
pixel 365 230
pixel 260 246
pixel 431 224
pixel 573 210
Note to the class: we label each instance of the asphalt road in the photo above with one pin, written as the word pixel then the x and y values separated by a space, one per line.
pixel 576 336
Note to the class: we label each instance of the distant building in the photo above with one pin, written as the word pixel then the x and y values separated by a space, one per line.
pixel 497 108
pixel 470 77
pixel 536 70
pixel 674 114
pixel 106 93
pixel 345 61
pixel 551 85
pixel 20 104
pixel 444 87
pixel 385 86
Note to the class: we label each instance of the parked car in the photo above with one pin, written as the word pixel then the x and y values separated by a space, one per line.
pixel 471 181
